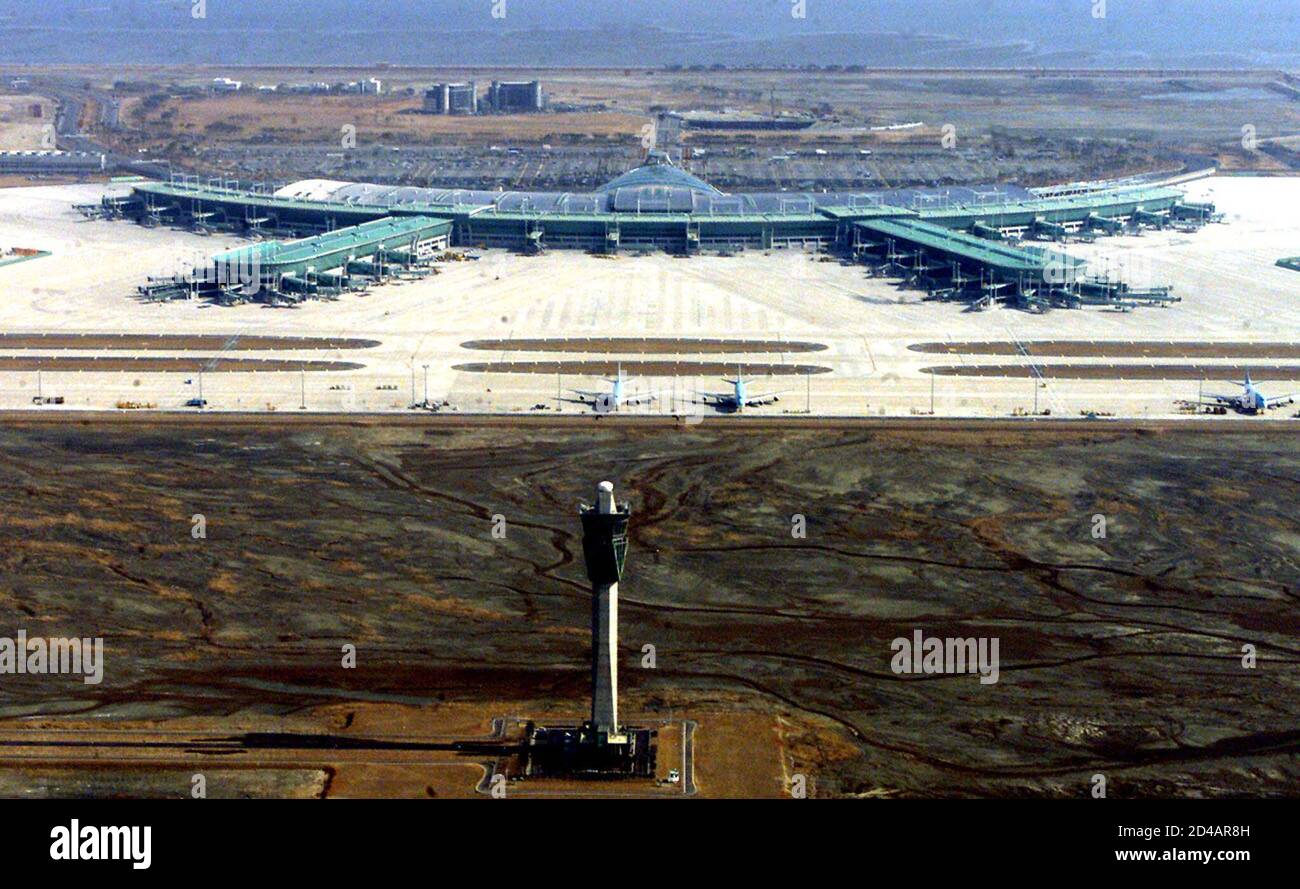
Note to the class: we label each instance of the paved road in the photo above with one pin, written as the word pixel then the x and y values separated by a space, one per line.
pixel 1044 426
pixel 688 757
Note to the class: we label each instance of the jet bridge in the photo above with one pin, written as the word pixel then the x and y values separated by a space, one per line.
pixel 910 237
pixel 956 265
pixel 321 265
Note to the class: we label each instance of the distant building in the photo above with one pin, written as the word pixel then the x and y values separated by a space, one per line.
pixel 452 98
pixel 739 120
pixel 515 96
pixel 226 85
pixel 52 162
pixel 369 87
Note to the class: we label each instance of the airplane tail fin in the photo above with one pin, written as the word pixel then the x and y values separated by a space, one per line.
pixel 740 377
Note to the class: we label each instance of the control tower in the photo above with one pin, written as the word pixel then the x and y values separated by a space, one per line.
pixel 602 747
pixel 604 548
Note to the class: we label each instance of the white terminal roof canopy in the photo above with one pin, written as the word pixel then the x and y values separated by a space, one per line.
pixel 655 187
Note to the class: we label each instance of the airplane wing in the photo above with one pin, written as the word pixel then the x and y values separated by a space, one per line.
pixel 1222 399
pixel 643 398
pixel 1280 400
pixel 594 399
pixel 769 398
pixel 708 397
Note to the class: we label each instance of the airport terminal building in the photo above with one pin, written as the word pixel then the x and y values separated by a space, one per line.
pixel 942 238
pixel 656 206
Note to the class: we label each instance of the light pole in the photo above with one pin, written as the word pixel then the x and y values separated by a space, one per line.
pixel 426 385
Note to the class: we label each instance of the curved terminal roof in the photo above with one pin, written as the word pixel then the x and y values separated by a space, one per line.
pixel 659 187
pixel 655 188
pixel 311 189
pixel 661 175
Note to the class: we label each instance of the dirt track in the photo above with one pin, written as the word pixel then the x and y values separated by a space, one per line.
pixel 1115 349
pixel 138 342
pixel 171 364
pixel 1215 372
pixel 642 345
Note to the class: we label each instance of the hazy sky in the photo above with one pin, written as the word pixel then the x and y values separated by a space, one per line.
pixel 434 31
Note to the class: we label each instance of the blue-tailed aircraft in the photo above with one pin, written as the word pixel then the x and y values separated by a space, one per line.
pixel 738 398
pixel 1249 401
pixel 611 401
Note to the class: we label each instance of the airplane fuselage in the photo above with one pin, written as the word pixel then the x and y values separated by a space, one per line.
pixel 740 396
pixel 611 401
pixel 1252 401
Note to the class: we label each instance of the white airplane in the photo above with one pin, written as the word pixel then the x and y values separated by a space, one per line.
pixel 609 402
pixel 737 399
pixel 1249 401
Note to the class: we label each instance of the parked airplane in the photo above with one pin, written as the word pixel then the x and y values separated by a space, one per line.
pixel 738 398
pixel 1249 401
pixel 609 402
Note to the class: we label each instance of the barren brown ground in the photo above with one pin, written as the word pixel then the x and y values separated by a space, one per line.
pixel 1120 654
pixel 315 118
pixel 1198 111
pixel 19 129
pixel 1114 349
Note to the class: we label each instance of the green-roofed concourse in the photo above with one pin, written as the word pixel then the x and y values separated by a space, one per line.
pixel 950 245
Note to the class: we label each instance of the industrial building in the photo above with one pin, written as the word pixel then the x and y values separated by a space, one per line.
pixel 452 98
pixel 515 96
pixel 502 97
pixel 61 163
pixel 740 120
pixel 957 243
